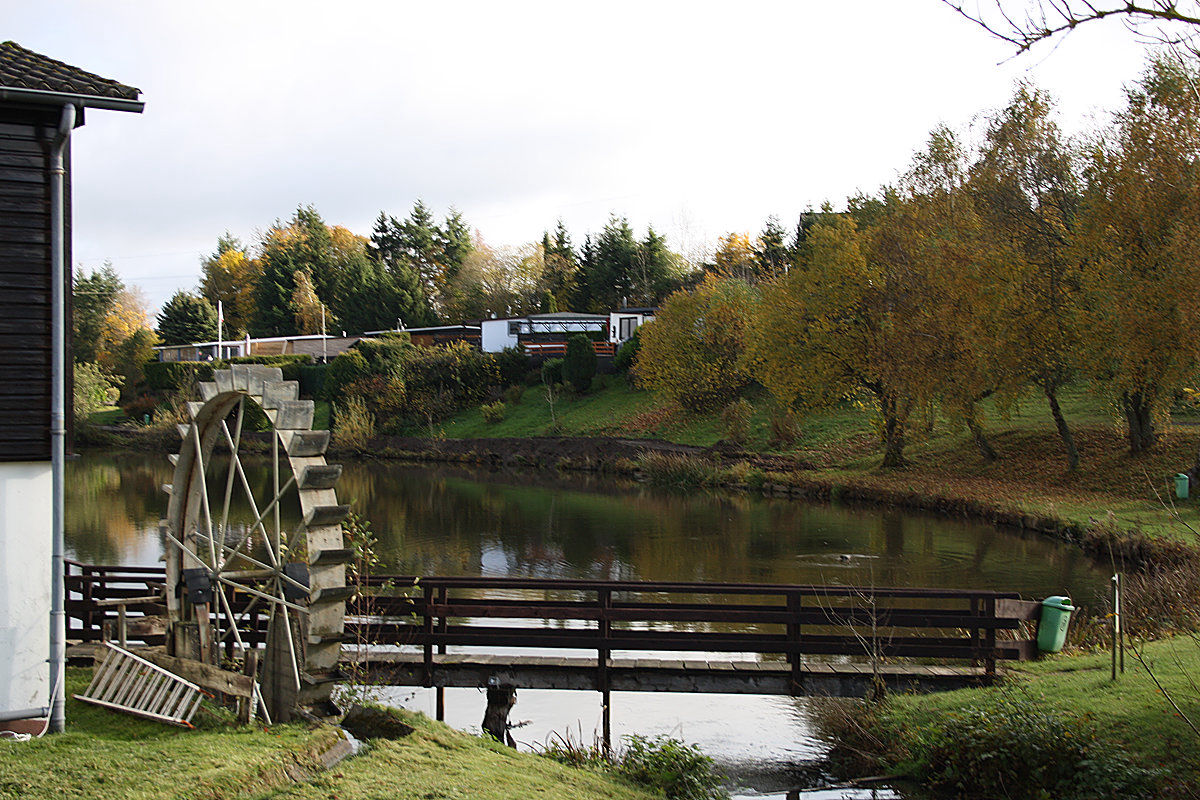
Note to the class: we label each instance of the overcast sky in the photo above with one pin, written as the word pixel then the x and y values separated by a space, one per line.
pixel 698 118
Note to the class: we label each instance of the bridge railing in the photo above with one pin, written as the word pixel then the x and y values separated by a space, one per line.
pixel 785 622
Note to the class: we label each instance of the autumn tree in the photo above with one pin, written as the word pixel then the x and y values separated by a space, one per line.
pixel 560 266
pixel 692 353
pixel 310 311
pixel 734 258
pixel 228 276
pixel 187 318
pixel 92 297
pixel 1025 186
pixel 852 322
pixel 771 253
pixel 1139 236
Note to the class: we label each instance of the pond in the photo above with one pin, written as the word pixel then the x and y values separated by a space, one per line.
pixel 435 520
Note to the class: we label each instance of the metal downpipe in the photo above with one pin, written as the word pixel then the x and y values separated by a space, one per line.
pixel 58 418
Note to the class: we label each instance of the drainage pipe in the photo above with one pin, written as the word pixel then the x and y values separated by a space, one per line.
pixel 29 713
pixel 58 416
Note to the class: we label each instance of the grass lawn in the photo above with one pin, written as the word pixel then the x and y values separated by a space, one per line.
pixel 438 762
pixel 109 415
pixel 103 754
pixel 1131 711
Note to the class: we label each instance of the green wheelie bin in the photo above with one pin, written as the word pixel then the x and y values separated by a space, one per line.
pixel 1052 627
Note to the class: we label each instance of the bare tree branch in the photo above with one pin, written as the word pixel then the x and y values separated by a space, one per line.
pixel 1048 19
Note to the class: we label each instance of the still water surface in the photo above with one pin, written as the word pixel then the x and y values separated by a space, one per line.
pixel 453 521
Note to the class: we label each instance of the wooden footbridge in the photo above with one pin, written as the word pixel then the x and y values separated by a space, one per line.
pixel 621 635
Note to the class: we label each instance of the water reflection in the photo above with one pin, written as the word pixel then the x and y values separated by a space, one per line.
pixel 452 521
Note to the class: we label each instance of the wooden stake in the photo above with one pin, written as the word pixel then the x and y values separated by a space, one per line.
pixel 500 700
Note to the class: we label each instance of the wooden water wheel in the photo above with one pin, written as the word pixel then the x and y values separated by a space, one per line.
pixel 224 575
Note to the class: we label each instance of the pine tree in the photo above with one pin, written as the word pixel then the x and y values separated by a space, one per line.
pixel 186 319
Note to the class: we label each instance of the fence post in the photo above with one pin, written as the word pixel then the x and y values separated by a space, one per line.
pixel 427 627
pixel 795 603
pixel 989 636
pixel 442 627
pixel 604 599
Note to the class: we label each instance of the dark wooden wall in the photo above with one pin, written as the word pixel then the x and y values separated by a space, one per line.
pixel 26 134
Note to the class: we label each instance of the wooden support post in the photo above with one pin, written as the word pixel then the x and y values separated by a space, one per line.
pixel 794 606
pixel 122 630
pixel 1118 635
pixel 606 721
pixel 204 634
pixel 427 628
pixel 442 627
pixel 989 637
pixel 246 705
pixel 89 597
pixel 604 598
pixel 500 700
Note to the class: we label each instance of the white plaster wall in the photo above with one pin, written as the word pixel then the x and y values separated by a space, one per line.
pixel 494 337
pixel 25 544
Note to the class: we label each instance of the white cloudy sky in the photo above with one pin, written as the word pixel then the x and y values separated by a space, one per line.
pixel 699 118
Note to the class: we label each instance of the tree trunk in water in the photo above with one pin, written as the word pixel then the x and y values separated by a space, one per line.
pixel 1064 432
pixel 1142 435
pixel 500 700
pixel 985 448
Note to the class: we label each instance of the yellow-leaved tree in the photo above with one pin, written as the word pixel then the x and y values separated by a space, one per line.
pixel 1139 237
pixel 692 353
pixel 851 321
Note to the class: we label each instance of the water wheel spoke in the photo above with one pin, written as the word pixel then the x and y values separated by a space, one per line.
pixel 230 473
pixel 256 584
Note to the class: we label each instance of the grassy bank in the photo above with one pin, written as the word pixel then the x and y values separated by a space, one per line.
pixel 105 754
pixel 437 761
pixel 838 450
pixel 1124 729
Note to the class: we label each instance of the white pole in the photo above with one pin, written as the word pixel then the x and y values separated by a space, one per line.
pixel 324 347
pixel 220 328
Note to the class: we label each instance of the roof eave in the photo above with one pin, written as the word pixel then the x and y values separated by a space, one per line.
pixel 17 94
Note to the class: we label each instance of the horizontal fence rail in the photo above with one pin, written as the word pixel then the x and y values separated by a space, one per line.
pixel 777 621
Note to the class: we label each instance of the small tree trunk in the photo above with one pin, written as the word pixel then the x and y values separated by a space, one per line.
pixel 500 700
pixel 985 448
pixel 1142 435
pixel 893 436
pixel 1060 422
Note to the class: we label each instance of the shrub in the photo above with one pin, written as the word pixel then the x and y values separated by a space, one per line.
pixel 784 427
pixel 533 377
pixel 678 471
pixel 384 395
pixel 691 353
pixel 627 352
pixel 94 389
pixel 668 767
pixel 1013 747
pixel 736 418
pixel 140 406
pixel 312 380
pixel 344 370
pixel 289 364
pixel 677 770
pixel 513 394
pixel 445 379
pixel 579 365
pixel 354 424
pixel 165 377
pixel 552 371
pixel 511 365
pixel 493 412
